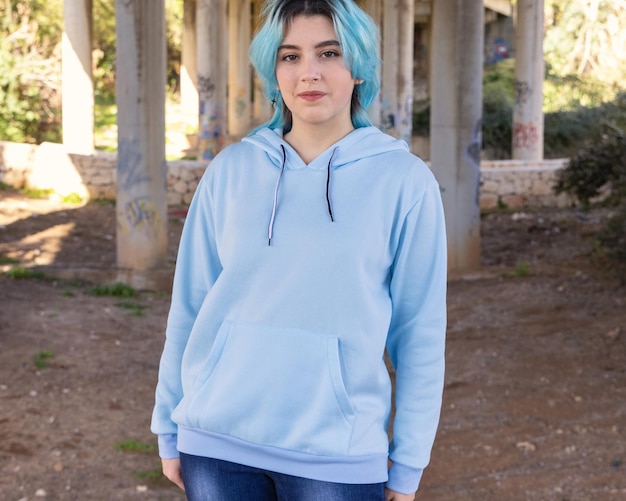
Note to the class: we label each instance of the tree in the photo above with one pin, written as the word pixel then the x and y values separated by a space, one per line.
pixel 587 39
pixel 30 64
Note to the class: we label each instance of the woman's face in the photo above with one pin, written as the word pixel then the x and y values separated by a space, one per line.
pixel 312 77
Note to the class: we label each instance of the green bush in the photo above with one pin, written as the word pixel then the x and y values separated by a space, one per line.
pixel 601 165
pixel 566 130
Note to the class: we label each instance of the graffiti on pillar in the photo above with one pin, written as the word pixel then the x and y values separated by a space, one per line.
pixel 523 91
pixel 500 50
pixel 241 108
pixel 525 135
pixel 472 151
pixel 387 119
pixel 210 136
pixel 389 122
pixel 206 87
pixel 129 164
pixel 210 133
pixel 405 125
pixel 139 214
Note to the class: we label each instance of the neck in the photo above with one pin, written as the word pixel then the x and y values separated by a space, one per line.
pixel 309 142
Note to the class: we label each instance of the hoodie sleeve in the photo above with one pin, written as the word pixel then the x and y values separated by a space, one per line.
pixel 416 339
pixel 197 268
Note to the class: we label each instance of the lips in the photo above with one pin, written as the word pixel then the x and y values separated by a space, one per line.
pixel 311 95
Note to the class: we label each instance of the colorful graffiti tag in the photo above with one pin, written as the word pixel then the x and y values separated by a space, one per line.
pixel 525 135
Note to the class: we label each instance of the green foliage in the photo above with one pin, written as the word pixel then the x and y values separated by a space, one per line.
pixel 36 192
pixel 566 130
pixel 522 269
pixel 135 309
pixel 154 474
pixel 20 272
pixel 117 289
pixel 498 103
pixel 41 358
pixel 30 64
pixel 134 446
pixel 105 111
pixel 104 202
pixel 174 34
pixel 72 198
pixel 7 260
pixel 104 54
pixel 586 39
pixel 571 92
pixel 500 77
pixel 601 165
pixel 30 34
pixel 421 118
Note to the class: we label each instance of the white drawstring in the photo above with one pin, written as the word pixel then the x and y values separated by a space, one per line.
pixel 270 230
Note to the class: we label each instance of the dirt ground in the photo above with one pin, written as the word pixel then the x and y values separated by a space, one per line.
pixel 535 400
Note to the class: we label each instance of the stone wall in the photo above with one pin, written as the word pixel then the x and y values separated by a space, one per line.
pixel 505 183
pixel 521 183
pixel 48 166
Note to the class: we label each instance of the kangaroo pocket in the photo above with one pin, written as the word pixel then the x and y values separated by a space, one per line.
pixel 275 386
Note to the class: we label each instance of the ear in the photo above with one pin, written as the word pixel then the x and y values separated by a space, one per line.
pixel 358 81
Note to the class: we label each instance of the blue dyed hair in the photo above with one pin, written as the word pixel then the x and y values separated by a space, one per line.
pixel 358 37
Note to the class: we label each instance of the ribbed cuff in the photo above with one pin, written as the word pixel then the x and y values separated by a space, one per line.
pixel 167 446
pixel 404 479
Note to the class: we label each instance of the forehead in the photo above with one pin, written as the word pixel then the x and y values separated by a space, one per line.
pixel 309 28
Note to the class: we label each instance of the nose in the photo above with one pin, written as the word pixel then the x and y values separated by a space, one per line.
pixel 310 70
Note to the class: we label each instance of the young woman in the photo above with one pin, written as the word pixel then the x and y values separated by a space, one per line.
pixel 310 247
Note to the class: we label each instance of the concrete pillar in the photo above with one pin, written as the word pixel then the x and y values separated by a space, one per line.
pixel 397 85
pixel 455 123
pixel 141 168
pixel 77 90
pixel 375 9
pixel 239 68
pixel 212 76
pixel 188 69
pixel 529 73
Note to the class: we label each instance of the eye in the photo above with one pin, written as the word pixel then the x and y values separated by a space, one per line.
pixel 288 57
pixel 330 54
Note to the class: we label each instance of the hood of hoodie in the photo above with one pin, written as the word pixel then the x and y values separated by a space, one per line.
pixel 361 143
pixel 364 142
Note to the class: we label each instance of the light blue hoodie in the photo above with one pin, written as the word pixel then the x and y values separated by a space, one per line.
pixel 290 282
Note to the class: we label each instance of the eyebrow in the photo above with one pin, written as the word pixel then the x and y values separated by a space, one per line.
pixel 326 43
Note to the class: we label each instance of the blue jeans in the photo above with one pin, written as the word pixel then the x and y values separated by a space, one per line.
pixel 209 479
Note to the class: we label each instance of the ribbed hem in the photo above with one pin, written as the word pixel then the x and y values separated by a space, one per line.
pixel 341 469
